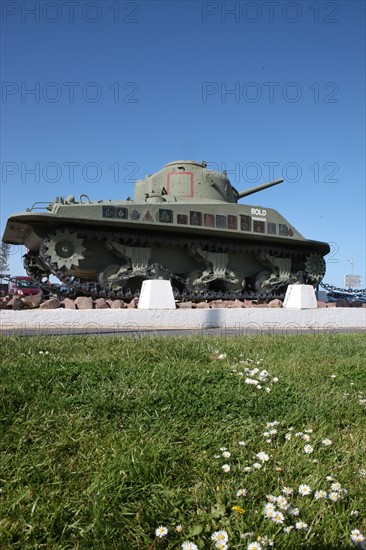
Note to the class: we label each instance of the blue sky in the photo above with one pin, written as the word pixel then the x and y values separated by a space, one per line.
pixel 263 89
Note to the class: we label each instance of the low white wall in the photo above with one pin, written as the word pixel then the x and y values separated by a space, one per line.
pixel 241 321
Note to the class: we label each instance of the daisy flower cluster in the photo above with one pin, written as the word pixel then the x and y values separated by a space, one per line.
pixel 243 467
pixel 281 508
pixel 254 376
pixel 305 436
pixel 286 508
pixel 358 538
pixel 221 539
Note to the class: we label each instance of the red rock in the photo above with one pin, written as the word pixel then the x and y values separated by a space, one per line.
pixel 238 303
pixel 14 303
pixel 133 303
pixel 247 303
pixel 84 302
pixel 203 305
pixel 275 303
pixel 68 303
pixel 32 302
pixel 116 304
pixel 100 303
pixel 218 304
pixel 356 303
pixel 331 304
pixel 52 303
pixel 185 305
pixel 321 304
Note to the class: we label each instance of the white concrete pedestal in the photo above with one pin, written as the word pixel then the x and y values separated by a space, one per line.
pixel 300 297
pixel 156 294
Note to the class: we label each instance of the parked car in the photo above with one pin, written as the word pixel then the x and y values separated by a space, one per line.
pixel 23 286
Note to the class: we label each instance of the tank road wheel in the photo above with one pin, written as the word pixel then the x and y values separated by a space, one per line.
pixel 234 281
pixel 314 267
pixel 65 248
pixel 106 277
pixel 262 282
pixel 194 281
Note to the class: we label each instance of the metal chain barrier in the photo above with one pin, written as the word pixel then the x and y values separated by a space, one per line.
pixel 356 292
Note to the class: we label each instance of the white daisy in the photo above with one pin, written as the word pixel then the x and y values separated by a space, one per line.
pixel 226 454
pixel 254 546
pixel 327 442
pixel 334 496
pixel 320 494
pixel 294 511
pixel 188 545
pixel 301 525
pixel 282 502
pixel 269 510
pixel 241 493
pixel 308 449
pixel 357 537
pixel 277 517
pixel 304 490
pixel 287 491
pixel 288 529
pixel 257 466
pixel 226 468
pixel 336 486
pixel 161 532
pixel 241 443
pixel 263 457
pixel 220 536
pixel 179 528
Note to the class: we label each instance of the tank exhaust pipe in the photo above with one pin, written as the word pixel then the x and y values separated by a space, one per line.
pixel 258 188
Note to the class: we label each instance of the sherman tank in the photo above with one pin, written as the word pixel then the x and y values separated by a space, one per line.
pixel 185 224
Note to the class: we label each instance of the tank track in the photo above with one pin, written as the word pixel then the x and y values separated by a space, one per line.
pixel 74 287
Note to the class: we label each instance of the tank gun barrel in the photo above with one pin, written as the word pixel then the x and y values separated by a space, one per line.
pixel 258 188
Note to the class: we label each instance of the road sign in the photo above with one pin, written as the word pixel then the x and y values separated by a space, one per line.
pixel 352 281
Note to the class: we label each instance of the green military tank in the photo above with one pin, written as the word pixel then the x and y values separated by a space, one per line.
pixel 185 224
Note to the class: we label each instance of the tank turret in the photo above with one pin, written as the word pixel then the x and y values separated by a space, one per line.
pixel 185 224
pixel 193 181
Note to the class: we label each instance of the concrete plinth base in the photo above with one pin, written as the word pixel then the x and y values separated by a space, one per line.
pixel 156 294
pixel 300 297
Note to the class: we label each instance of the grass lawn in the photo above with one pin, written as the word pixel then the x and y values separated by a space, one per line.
pixel 104 440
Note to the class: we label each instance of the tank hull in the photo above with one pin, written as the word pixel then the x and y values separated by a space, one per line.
pixel 109 248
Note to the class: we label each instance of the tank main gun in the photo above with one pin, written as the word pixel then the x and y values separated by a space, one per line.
pixel 257 188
